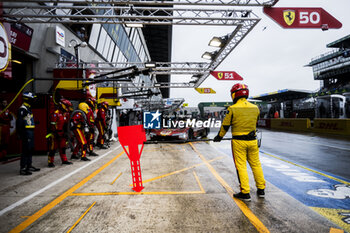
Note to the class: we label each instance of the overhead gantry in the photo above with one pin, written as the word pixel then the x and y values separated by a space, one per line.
pixel 144 12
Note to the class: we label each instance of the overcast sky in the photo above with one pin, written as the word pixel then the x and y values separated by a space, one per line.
pixel 268 60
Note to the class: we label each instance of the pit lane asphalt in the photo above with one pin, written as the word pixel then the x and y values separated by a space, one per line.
pixel 188 188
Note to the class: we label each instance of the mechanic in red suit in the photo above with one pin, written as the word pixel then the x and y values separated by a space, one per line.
pixel 58 127
pixel 101 124
pixel 5 125
pixel 78 126
pixel 88 108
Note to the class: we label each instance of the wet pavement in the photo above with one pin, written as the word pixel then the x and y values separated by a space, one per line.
pixel 187 188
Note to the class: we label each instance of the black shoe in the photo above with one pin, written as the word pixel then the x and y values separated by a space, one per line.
pixel 261 193
pixel 93 153
pixel 242 196
pixel 67 162
pixel 74 157
pixel 85 159
pixel 51 165
pixel 102 146
pixel 34 169
pixel 24 172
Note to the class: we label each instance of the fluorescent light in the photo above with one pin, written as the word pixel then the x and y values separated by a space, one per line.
pixel 134 25
pixel 150 64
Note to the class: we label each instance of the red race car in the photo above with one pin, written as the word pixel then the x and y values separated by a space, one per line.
pixel 178 133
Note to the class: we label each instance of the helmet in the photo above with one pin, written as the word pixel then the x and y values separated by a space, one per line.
pixel 104 105
pixel 28 97
pixel 91 101
pixel 66 105
pixel 239 90
pixel 84 107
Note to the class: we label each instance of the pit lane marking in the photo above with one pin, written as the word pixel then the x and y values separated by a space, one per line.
pixel 335 230
pixel 306 168
pixel 172 150
pixel 179 171
pixel 255 221
pixel 116 178
pixel 338 216
pixel 20 202
pixel 81 217
pixel 63 196
pixel 202 191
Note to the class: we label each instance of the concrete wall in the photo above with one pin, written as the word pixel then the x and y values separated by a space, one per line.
pixel 294 124
pixel 320 125
pixel 332 126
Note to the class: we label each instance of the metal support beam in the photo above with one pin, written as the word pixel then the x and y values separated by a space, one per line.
pixel 159 3
pixel 33 13
pixel 172 68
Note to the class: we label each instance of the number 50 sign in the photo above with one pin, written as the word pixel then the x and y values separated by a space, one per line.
pixel 302 17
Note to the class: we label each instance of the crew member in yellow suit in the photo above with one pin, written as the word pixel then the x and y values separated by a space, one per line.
pixel 242 116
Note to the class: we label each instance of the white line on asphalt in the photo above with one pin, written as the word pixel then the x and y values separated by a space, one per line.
pixel 20 202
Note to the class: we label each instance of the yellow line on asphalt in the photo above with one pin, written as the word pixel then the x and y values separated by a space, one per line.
pixel 199 183
pixel 138 193
pixel 309 169
pixel 335 230
pixel 178 171
pixel 153 150
pixel 116 178
pixel 52 204
pixel 81 217
pixel 244 208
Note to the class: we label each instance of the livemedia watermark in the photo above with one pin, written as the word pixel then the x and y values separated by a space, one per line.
pixel 155 120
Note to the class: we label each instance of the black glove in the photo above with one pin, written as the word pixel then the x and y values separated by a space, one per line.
pixel 217 138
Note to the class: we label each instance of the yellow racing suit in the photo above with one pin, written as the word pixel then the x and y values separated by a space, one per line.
pixel 242 117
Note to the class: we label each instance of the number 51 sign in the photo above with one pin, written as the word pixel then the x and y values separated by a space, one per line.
pixel 302 17
pixel 226 75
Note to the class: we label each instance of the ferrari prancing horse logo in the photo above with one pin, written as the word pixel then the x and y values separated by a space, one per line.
pixel 289 16
pixel 220 75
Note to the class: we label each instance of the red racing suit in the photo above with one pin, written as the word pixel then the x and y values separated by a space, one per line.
pixel 77 126
pixel 5 125
pixel 57 138
pixel 101 125
pixel 91 134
